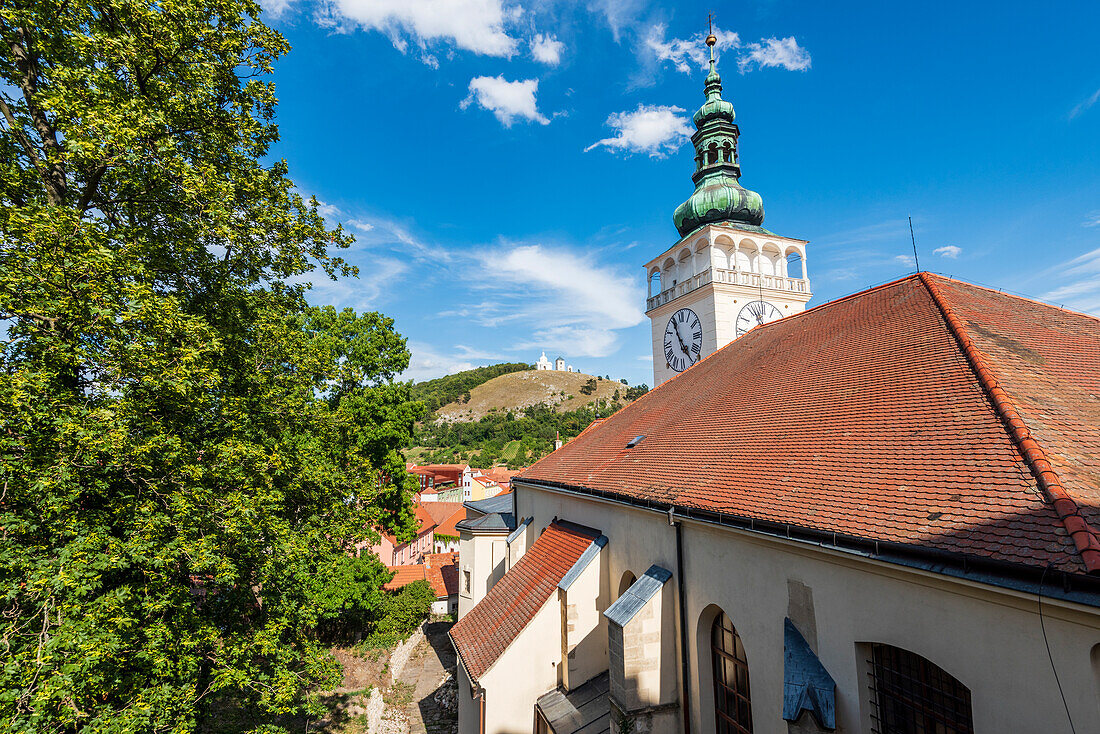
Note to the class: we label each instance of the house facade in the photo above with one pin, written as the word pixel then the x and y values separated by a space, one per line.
pixel 393 552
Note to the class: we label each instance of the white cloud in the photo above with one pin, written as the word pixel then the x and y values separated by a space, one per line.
pixel 781 52
pixel 585 302
pixel 1083 291
pixel 547 49
pixel 471 25
pixel 380 232
pixel 650 129
pixel 645 358
pixel 468 352
pixel 363 293
pixel 686 54
pixel 906 260
pixel 507 100
pixel 1093 220
pixel 426 363
pixel 948 251
pixel 328 211
pixel 275 8
pixel 1085 104
pixel 620 14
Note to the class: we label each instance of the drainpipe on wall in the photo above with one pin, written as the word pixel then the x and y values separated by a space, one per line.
pixel 683 620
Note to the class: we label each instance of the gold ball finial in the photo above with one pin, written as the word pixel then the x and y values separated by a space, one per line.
pixel 711 39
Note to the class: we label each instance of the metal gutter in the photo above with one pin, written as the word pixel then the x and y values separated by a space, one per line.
pixel 1077 588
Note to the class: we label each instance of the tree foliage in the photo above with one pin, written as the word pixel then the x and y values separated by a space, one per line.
pixel 185 445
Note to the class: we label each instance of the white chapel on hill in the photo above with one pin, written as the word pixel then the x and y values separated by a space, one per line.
pixel 880 515
pixel 558 364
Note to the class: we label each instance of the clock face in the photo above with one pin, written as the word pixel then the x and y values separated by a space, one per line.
pixel 683 340
pixel 755 313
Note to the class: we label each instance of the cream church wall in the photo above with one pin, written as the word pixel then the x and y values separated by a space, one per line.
pixel 989 639
pixel 527 669
pixel 584 628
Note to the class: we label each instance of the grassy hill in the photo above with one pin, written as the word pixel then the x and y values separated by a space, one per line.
pixel 513 417
pixel 449 388
pixel 517 391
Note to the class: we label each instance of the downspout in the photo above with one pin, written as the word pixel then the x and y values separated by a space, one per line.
pixel 685 667
pixel 481 718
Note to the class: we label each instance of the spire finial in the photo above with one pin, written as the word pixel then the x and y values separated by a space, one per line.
pixel 711 38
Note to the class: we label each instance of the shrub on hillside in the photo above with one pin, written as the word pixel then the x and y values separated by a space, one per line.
pixel 402 613
pixel 349 594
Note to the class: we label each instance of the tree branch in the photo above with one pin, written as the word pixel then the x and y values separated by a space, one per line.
pixel 54 175
pixel 13 125
pixel 91 187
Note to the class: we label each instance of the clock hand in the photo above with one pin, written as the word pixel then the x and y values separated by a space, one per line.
pixel 676 328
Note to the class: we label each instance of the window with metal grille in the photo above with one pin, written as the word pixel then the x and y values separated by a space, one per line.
pixel 915 696
pixel 732 712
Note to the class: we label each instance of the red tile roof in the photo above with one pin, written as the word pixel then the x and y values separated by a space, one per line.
pixel 500 474
pixel 447 527
pixel 485 632
pixel 405 575
pixel 441 511
pixel 443 572
pixel 440 571
pixel 424 523
pixel 926 412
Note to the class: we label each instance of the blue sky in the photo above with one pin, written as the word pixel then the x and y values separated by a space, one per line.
pixel 508 168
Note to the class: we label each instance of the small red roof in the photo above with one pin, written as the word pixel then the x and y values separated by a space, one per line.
pixel 440 511
pixel 424 523
pixel 405 575
pixel 440 571
pixel 423 519
pixel 926 412
pixel 485 632
pixel 447 527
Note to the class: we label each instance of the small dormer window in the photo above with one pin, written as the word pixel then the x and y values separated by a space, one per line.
pixel 635 441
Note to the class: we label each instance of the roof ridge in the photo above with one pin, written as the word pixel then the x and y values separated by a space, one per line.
pixel 1018 296
pixel 1085 539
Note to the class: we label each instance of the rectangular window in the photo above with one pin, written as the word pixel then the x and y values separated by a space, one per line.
pixel 466 580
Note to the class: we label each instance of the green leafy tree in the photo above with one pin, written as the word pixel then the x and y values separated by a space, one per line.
pixel 184 444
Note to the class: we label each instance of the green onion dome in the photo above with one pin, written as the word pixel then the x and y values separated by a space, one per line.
pixel 715 107
pixel 719 195
pixel 718 198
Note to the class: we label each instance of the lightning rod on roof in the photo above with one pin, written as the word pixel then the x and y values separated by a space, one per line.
pixel 916 261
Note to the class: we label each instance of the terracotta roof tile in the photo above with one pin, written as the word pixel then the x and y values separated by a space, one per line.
pixel 485 632
pixel 866 416
pixel 440 571
pixel 405 575
pixel 447 527
pixel 441 511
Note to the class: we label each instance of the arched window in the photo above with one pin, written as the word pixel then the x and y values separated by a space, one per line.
pixel 794 264
pixel 732 712
pixel 913 694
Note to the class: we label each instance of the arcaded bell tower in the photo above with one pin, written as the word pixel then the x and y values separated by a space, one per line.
pixel 726 274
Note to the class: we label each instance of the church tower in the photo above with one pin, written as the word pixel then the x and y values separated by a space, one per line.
pixel 727 273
